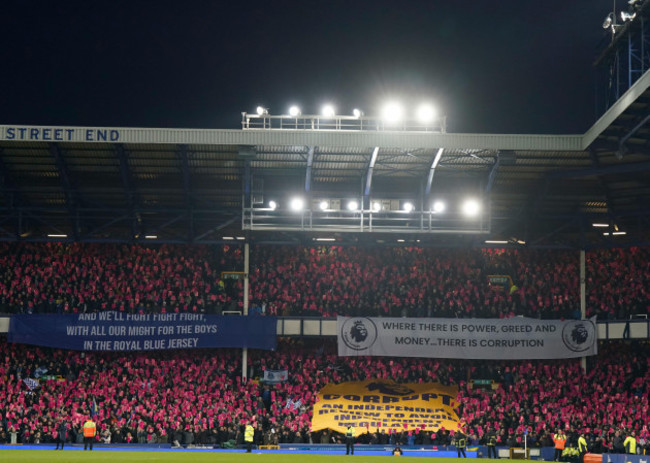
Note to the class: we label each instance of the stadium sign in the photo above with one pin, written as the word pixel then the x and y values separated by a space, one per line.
pixel 117 331
pixel 513 338
pixel 82 134
pixel 385 405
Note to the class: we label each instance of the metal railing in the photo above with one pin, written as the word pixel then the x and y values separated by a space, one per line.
pixel 338 123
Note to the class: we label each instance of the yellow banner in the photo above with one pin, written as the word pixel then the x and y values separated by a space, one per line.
pixel 384 404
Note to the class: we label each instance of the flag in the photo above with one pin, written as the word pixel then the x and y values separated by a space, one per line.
pixel 31 383
pixel 93 409
pixel 289 403
pixel 297 404
pixel 275 376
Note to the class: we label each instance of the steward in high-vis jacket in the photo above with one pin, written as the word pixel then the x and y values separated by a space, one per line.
pixel 491 442
pixel 461 443
pixel 349 440
pixel 90 431
pixel 559 439
pixel 249 436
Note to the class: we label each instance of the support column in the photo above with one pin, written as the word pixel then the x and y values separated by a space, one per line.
pixel 583 299
pixel 244 353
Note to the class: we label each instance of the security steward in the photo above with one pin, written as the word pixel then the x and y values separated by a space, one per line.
pixel 349 440
pixel 559 439
pixel 90 431
pixel 582 447
pixel 249 436
pixel 461 443
pixel 630 444
pixel 491 441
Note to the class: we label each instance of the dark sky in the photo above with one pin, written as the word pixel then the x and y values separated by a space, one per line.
pixel 497 66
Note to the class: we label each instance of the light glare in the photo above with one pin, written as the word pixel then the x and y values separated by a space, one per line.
pixel 294 111
pixel 296 204
pixel 392 113
pixel 353 205
pixel 425 113
pixel 323 205
pixel 408 207
pixel 439 206
pixel 328 111
pixel 273 205
pixel 471 208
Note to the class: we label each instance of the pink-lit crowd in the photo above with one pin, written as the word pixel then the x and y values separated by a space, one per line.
pixel 322 280
pixel 199 397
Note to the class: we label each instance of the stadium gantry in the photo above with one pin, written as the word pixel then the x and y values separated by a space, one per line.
pixel 195 186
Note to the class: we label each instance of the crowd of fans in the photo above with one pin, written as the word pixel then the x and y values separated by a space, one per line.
pixel 199 397
pixel 322 280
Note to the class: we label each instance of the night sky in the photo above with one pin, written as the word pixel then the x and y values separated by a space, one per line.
pixel 494 66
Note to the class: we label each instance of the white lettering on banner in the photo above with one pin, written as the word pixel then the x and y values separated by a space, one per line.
pixel 514 338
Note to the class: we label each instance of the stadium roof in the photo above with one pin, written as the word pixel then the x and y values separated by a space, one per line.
pixel 179 185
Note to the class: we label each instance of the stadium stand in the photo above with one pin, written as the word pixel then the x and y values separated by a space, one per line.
pixel 322 281
pixel 199 397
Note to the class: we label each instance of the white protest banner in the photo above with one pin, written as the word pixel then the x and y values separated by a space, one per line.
pixel 471 338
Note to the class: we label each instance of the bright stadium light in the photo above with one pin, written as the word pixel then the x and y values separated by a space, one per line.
pixel 609 20
pixel 296 204
pixel 294 111
pixel 471 208
pixel 273 205
pixel 328 111
pixel 353 205
pixel 392 113
pixel 425 113
pixel 357 113
pixel 408 207
pixel 627 16
pixel 439 207
pixel 323 205
pixel 376 206
pixel 261 111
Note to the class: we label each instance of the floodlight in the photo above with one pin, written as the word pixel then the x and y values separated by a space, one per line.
pixel 627 16
pixel 357 112
pixel 296 204
pixel 609 20
pixel 353 205
pixel 261 110
pixel 294 111
pixel 425 113
pixel 323 205
pixel 392 112
pixel 471 208
pixel 408 207
pixel 328 111
pixel 273 205
pixel 439 207
pixel 376 206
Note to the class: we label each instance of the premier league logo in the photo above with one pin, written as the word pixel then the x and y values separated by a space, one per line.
pixel 358 333
pixel 579 335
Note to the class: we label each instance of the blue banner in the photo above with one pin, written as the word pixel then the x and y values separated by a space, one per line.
pixel 117 331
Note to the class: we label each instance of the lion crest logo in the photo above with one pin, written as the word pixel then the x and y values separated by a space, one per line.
pixel 358 333
pixel 579 335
